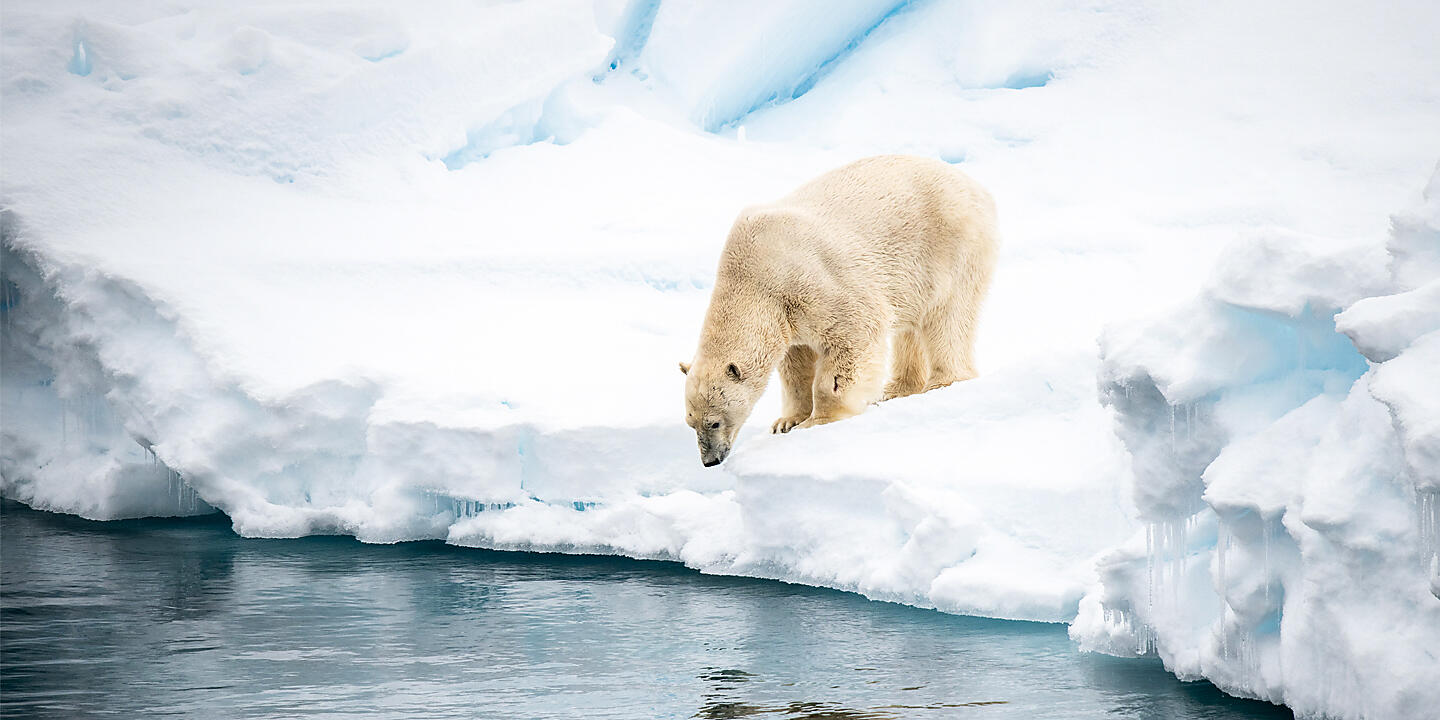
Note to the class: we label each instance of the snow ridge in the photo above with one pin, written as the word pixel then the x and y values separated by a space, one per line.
pixel 1305 489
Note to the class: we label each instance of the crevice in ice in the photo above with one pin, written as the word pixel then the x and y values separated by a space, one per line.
pixel 9 297
pixel 80 62
pixel 546 120
pixel 829 64
pixel 794 87
pixel 634 32
pixel 461 508
pixel 1278 344
pixel 1028 79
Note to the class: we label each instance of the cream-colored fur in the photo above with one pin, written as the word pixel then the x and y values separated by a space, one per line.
pixel 890 251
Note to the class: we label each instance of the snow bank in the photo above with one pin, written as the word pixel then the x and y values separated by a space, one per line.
pixel 114 395
pixel 425 273
pixel 445 321
pixel 1289 484
pixel 870 507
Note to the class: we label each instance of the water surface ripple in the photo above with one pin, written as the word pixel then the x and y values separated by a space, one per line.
pixel 154 618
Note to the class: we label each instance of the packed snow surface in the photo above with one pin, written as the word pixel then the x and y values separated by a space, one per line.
pixel 425 272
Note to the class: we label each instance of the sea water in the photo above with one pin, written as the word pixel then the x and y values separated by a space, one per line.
pixel 152 618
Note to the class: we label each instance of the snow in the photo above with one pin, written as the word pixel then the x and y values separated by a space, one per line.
pixel 1297 559
pixel 426 272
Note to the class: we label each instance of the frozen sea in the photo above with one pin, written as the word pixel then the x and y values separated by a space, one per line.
pixel 148 618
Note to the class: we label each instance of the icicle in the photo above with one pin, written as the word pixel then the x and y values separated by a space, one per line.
pixel 1172 430
pixel 1150 565
pixel 1266 533
pixel 1222 546
pixel 1179 547
pixel 1427 503
pixel 1145 639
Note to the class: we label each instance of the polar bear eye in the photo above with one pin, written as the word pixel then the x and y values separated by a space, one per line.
pixel 715 426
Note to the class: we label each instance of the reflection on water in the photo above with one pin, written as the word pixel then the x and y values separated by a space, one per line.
pixel 180 617
pixel 726 701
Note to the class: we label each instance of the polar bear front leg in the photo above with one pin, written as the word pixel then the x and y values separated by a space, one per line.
pixel 797 376
pixel 846 381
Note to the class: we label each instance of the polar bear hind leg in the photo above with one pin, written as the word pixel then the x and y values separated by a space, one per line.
pixel 908 364
pixel 948 333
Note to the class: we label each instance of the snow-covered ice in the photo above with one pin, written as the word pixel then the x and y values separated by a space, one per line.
pixel 425 272
pixel 1286 452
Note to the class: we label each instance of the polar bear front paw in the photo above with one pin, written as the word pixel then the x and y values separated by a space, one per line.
pixel 898 390
pixel 786 424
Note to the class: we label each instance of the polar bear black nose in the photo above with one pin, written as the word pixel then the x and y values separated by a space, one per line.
pixel 711 463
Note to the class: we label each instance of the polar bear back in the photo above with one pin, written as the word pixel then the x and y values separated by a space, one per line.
pixel 907 232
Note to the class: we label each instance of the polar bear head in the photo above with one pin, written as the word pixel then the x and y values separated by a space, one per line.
pixel 718 399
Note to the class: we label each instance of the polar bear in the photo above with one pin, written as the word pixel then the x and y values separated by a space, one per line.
pixel 891 253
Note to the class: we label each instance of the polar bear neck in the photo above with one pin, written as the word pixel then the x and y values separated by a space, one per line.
pixel 746 328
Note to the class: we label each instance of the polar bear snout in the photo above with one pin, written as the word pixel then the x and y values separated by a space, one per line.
pixel 712 453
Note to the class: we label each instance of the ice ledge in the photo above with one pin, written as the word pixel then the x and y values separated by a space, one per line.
pixel 113 411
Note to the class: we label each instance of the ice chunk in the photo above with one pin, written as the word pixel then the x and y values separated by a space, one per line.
pixel 1317 471
pixel 1384 325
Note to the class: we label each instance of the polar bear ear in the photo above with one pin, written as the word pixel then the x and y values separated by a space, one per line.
pixel 733 372
pixel 684 368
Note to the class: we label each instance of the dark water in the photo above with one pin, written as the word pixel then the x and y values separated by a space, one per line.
pixel 181 617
